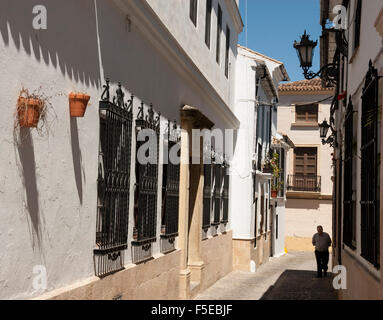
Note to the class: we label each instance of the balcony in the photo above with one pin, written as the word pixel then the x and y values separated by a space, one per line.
pixel 304 183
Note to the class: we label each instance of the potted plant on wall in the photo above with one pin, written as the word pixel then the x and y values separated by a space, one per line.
pixel 30 108
pixel 78 103
pixel 276 184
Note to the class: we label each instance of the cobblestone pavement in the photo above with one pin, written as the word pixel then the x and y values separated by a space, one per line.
pixel 290 277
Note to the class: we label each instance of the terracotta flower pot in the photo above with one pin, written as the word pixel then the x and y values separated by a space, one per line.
pixel 29 110
pixel 77 104
pixel 274 193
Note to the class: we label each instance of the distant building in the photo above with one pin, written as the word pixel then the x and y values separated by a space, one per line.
pixel 256 233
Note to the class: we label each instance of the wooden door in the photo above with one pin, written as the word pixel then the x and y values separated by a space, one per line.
pixel 305 169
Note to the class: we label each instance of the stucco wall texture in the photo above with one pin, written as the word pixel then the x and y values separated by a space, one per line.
pixel 48 184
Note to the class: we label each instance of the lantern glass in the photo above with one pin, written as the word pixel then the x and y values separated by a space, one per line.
pixel 305 49
pixel 323 128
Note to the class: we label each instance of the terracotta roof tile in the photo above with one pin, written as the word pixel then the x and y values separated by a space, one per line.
pixel 304 86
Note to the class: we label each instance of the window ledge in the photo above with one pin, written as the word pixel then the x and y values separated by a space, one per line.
pixel 307 195
pixel 369 268
pixel 305 125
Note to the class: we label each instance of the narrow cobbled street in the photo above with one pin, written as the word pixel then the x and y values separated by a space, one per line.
pixel 290 277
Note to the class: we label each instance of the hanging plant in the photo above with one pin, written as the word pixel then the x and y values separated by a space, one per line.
pixel 77 104
pixel 32 110
pixel 29 109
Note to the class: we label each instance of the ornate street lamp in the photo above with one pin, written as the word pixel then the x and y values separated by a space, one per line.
pixel 305 50
pixel 323 129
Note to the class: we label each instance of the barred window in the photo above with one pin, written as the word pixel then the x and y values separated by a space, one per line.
pixel 370 223
pixel 170 187
pixel 225 194
pixel 145 197
pixel 217 193
pixel 207 196
pixel 349 219
pixel 113 183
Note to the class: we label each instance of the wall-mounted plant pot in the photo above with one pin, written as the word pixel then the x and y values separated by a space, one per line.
pixel 274 193
pixel 29 110
pixel 77 104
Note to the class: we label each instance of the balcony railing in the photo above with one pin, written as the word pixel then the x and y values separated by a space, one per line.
pixel 305 183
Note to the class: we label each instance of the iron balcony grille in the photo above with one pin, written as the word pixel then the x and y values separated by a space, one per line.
pixel 207 197
pixel 113 183
pixel 370 169
pixel 349 222
pixel 217 194
pixel 171 185
pixel 225 196
pixel 146 186
pixel 304 183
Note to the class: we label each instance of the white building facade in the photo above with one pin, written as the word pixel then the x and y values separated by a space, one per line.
pixel 177 55
pixel 253 210
pixel 356 115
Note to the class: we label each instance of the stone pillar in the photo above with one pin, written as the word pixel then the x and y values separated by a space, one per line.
pixel 183 224
pixel 195 262
pixel 190 205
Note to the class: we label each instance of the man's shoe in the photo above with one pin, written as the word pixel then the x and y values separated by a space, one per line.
pixel 319 275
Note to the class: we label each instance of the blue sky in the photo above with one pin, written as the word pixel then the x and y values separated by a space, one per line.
pixel 273 25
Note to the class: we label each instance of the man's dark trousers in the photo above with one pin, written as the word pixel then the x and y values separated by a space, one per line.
pixel 322 261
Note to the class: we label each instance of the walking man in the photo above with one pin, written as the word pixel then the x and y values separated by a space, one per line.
pixel 322 242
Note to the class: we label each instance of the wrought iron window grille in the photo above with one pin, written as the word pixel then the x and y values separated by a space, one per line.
pixel 349 222
pixel 170 186
pixel 113 182
pixel 208 187
pixel 225 193
pixel 146 186
pixel 370 199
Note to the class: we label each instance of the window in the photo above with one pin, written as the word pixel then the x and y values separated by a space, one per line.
pixel 219 31
pixel 282 174
pixel 305 161
pixel 170 190
pixel 349 219
pixel 370 174
pixel 358 19
pixel 208 22
pixel 113 183
pixel 262 212
pixel 225 195
pixel 193 11
pixel 305 176
pixel 227 52
pixel 276 226
pixel 217 193
pixel 207 197
pixel 308 113
pixel 255 222
pixel 145 195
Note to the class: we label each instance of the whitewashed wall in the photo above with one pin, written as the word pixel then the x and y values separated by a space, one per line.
pixel 48 185
pixel 243 207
